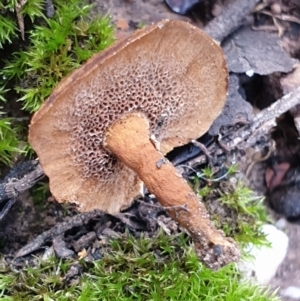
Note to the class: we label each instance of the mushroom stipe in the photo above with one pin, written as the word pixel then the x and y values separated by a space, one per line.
pixel 129 139
pixel 107 126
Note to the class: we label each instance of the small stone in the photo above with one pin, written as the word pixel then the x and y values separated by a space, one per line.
pixel 291 292
pixel 281 224
pixel 122 24
pixel 266 260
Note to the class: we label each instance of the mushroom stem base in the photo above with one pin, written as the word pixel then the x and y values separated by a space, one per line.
pixel 128 138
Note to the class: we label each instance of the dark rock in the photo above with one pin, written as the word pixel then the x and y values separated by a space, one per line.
pixel 259 52
pixel 236 109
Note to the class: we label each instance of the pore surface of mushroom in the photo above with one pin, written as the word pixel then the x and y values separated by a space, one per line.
pixel 168 80
pixel 171 71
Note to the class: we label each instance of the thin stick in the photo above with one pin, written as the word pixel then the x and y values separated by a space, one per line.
pixel 203 148
pixel 264 121
pixel 58 230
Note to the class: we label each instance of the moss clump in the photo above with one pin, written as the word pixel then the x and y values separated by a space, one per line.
pixel 53 47
pixel 9 140
pixel 157 268
pixel 248 214
pixel 7 30
pixel 160 268
pixel 234 208
pixel 56 48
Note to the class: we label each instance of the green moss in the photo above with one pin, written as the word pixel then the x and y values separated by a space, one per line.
pixel 250 215
pixel 160 268
pixel 40 193
pixel 9 140
pixel 57 46
pixel 53 48
pixel 11 144
pixel 8 27
pixel 7 30
pixel 234 207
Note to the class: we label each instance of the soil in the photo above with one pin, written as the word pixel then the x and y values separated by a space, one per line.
pixel 28 218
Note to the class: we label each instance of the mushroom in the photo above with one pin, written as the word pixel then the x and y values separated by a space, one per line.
pixel 107 126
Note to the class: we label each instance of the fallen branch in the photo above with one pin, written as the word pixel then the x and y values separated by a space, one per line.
pixel 231 18
pixel 57 231
pixel 263 121
pixel 20 178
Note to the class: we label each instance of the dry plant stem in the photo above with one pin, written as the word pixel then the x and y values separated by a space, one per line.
pixel 203 148
pixel 283 17
pixel 231 18
pixel 19 6
pixel 264 120
pixel 16 182
pixel 128 139
pixel 279 107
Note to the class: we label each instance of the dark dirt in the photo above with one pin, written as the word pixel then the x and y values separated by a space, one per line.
pixel 28 219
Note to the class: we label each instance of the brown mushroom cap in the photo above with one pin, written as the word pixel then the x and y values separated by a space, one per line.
pixel 171 71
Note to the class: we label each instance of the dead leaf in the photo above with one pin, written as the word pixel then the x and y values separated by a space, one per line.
pixel 82 254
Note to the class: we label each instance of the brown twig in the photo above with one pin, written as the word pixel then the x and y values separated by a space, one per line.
pixel 19 6
pixel 264 121
pixel 260 159
pixel 283 17
pixel 203 148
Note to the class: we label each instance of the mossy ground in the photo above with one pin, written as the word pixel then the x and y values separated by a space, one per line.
pixel 160 268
